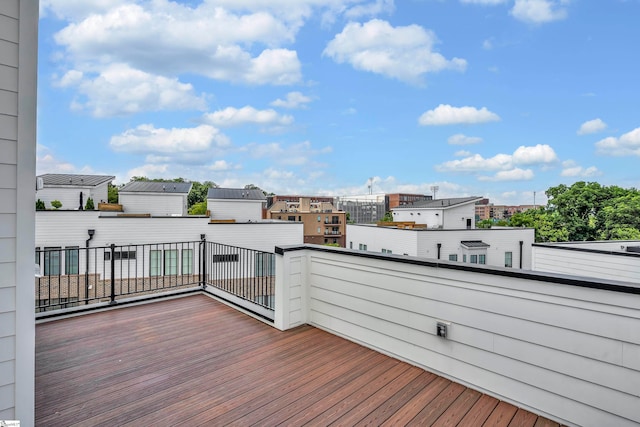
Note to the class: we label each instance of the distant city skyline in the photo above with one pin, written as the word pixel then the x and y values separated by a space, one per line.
pixel 491 98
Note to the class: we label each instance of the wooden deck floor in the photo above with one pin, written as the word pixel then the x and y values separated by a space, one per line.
pixel 194 361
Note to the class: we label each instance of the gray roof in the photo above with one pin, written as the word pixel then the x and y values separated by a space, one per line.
pixel 156 187
pixel 235 193
pixel 440 203
pixel 78 180
pixel 474 244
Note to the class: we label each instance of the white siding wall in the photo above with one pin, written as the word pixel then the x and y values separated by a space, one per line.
pixel 400 242
pixel 567 352
pixel 449 219
pixel 240 210
pixel 68 196
pixel 58 228
pixel 424 243
pixel 18 52
pixel 154 204
pixel 625 267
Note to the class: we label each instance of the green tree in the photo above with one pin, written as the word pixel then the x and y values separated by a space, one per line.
pixel 198 193
pixel 112 193
pixel 40 206
pixel 485 223
pixel 89 206
pixel 56 204
pixel 199 208
pixel 388 217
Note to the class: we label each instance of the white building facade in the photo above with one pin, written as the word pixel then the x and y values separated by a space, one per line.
pixel 444 214
pixel 237 204
pixel 73 191
pixel 503 247
pixel 155 198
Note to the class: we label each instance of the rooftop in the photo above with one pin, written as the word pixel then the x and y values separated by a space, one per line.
pixel 194 360
pixel 235 193
pixel 77 180
pixel 440 203
pixel 156 187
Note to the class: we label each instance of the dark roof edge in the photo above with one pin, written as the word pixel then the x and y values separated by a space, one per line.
pixel 607 285
pixel 594 251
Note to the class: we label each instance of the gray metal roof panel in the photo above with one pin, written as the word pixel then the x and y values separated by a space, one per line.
pixel 74 179
pixel 156 187
pixel 235 193
pixel 474 244
pixel 439 203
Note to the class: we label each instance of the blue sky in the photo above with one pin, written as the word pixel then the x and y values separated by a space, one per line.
pixel 494 98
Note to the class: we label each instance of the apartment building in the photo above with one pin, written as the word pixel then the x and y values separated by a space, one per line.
pixel 323 223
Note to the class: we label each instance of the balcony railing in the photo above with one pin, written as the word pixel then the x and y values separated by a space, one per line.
pixel 73 276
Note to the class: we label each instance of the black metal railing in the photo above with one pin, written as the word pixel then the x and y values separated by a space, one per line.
pixel 72 276
pixel 245 273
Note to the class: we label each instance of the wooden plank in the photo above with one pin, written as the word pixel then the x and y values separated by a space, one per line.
pixel 458 409
pixel 523 418
pixel 415 405
pixel 502 415
pixel 479 412
pixel 437 406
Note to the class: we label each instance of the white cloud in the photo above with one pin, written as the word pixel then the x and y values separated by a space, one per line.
pixel 539 11
pixel 294 155
pixel 404 53
pixel 77 9
pixel 445 114
pixel 506 166
pixel 592 126
pixel 370 9
pixel 627 145
pixel 48 162
pixel 487 44
pixel 460 139
pixel 120 90
pixel 462 153
pixel 538 154
pixel 516 174
pixel 222 165
pixel 167 38
pixel 177 145
pixel 572 169
pixel 293 100
pixel 231 116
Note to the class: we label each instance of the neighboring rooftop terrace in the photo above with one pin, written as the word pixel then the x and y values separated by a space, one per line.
pixel 196 361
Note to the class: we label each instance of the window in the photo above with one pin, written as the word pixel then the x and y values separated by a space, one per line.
pixel 291 218
pixel 453 257
pixel 71 260
pixel 362 247
pixel 155 262
pixel 118 255
pixel 170 262
pixel 187 261
pixel 52 261
pixel 508 259
pixel 473 259
pixel 319 218
pixel 386 251
pixel 482 259
pixel 265 264
pixel 224 258
pixel 464 258
pixel 38 255
pixel 319 230
pixel 350 245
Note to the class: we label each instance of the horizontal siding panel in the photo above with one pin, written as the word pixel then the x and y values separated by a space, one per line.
pixel 631 356
pixel 519 304
pixel 8 152
pixel 7 299
pixel 7 348
pixel 8 28
pixel 8 176
pixel 584 344
pixel 7 372
pixel 8 127
pixel 8 53
pixel 7 397
pixel 7 225
pixel 7 250
pixel 7 275
pixel 10 8
pixel 8 78
pixel 8 103
pixel 7 325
